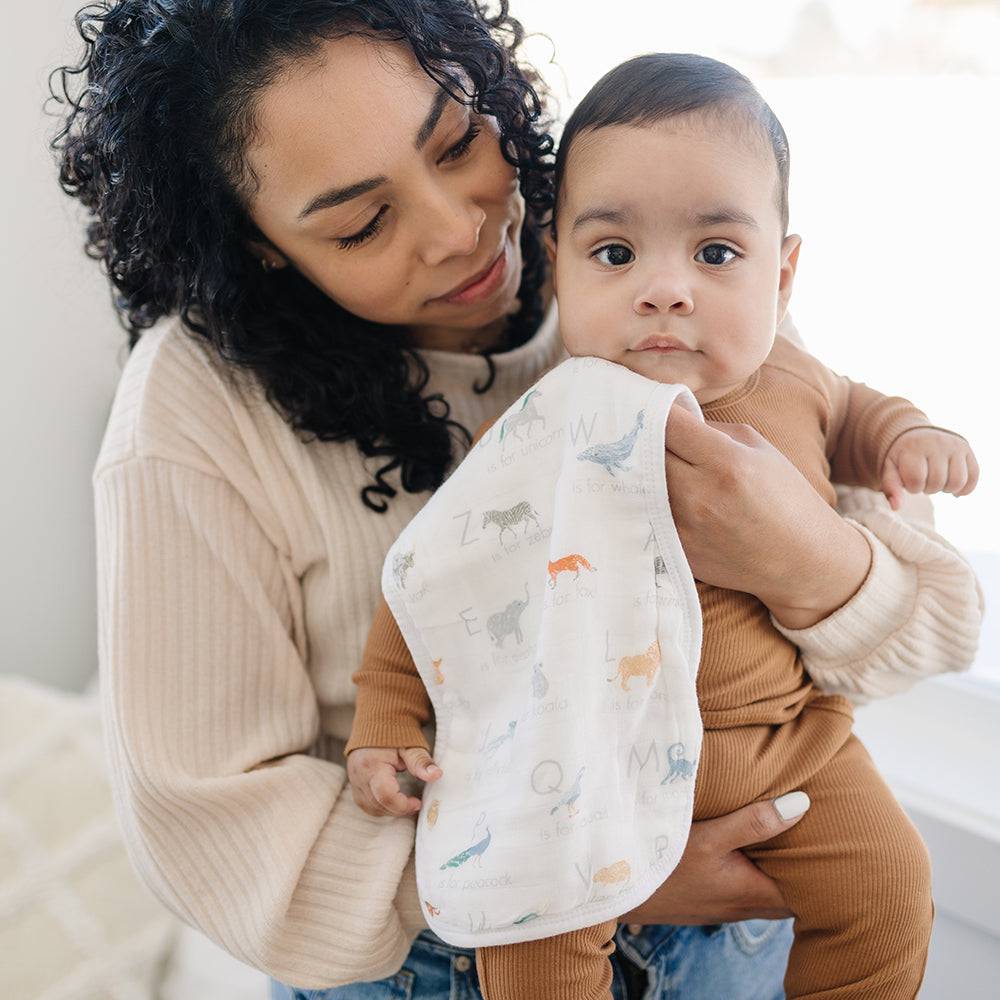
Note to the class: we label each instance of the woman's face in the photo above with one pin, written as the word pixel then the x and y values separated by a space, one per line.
pixel 387 194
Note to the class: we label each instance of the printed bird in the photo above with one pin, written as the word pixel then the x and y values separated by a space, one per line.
pixel 432 909
pixel 491 748
pixel 432 813
pixel 612 454
pixel 477 850
pixel 570 797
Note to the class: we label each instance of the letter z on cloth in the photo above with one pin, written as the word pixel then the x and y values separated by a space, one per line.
pixel 552 615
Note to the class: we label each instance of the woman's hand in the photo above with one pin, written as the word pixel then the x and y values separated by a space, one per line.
pixel 714 882
pixel 749 520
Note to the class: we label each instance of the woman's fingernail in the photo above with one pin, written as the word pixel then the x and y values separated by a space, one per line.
pixel 791 805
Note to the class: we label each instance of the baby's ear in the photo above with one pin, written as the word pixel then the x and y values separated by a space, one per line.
pixel 549 240
pixel 790 247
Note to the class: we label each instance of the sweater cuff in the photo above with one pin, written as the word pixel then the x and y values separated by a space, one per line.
pixel 919 613
pixel 881 606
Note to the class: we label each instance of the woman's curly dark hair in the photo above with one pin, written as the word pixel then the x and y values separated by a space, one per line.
pixel 158 77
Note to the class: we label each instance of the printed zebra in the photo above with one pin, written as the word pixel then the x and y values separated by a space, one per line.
pixel 506 519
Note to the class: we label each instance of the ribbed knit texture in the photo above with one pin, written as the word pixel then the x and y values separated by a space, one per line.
pixel 238 573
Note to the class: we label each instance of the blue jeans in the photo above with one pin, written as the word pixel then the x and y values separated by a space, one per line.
pixel 743 961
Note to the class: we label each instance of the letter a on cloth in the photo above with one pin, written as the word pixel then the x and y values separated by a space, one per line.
pixel 552 615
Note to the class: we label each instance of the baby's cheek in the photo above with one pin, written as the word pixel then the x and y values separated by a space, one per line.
pixel 579 332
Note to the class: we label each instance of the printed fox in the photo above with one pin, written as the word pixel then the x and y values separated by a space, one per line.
pixel 574 561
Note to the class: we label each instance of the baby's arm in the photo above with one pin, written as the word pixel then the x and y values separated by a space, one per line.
pixel 386 735
pixel 392 705
pixel 886 443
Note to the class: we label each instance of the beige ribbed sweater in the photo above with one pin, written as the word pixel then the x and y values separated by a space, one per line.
pixel 238 573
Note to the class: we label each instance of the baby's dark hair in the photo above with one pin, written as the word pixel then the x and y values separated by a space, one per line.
pixel 662 85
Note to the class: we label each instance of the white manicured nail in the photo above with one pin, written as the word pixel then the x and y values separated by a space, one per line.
pixel 791 805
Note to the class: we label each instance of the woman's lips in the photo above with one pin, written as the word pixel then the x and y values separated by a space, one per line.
pixel 483 285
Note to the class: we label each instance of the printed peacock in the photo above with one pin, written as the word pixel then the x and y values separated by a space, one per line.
pixel 477 850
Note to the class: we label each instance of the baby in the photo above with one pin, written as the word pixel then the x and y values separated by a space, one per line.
pixel 671 257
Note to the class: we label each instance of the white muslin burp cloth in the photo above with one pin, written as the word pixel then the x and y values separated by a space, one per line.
pixel 552 615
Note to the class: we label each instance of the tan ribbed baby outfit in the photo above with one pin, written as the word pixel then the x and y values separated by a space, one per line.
pixel 854 871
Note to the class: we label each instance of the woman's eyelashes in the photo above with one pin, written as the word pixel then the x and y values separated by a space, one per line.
pixel 456 152
pixel 462 146
pixel 346 242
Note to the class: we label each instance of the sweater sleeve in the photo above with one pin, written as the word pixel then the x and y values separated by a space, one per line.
pixel 209 717
pixel 918 612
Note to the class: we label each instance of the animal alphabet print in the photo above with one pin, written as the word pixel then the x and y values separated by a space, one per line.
pixel 572 563
pixel 613 454
pixel 504 623
pixel 507 520
pixel 644 665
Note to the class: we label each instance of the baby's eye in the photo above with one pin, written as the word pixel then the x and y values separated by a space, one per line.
pixel 616 255
pixel 715 254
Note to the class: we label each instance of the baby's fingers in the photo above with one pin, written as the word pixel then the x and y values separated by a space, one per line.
pixel 937 473
pixel 913 470
pixel 892 485
pixel 958 475
pixel 973 475
pixel 384 789
pixel 420 764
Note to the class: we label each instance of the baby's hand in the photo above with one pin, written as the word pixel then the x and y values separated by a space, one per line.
pixel 372 774
pixel 925 460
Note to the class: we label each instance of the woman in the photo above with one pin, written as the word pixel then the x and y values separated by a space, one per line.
pixel 336 207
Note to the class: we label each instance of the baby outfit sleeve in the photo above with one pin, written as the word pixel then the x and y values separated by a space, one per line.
pixel 863 426
pixel 919 611
pixel 392 703
pixel 209 717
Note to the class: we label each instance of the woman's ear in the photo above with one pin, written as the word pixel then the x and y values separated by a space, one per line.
pixel 790 247
pixel 270 259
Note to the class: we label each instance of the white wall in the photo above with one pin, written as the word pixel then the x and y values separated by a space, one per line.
pixel 61 360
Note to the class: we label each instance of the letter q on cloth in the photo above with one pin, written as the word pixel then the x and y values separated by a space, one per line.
pixel 553 618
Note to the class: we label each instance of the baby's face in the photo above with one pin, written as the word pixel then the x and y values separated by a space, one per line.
pixel 671 235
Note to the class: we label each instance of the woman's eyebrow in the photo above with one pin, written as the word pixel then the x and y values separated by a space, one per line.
pixel 337 196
